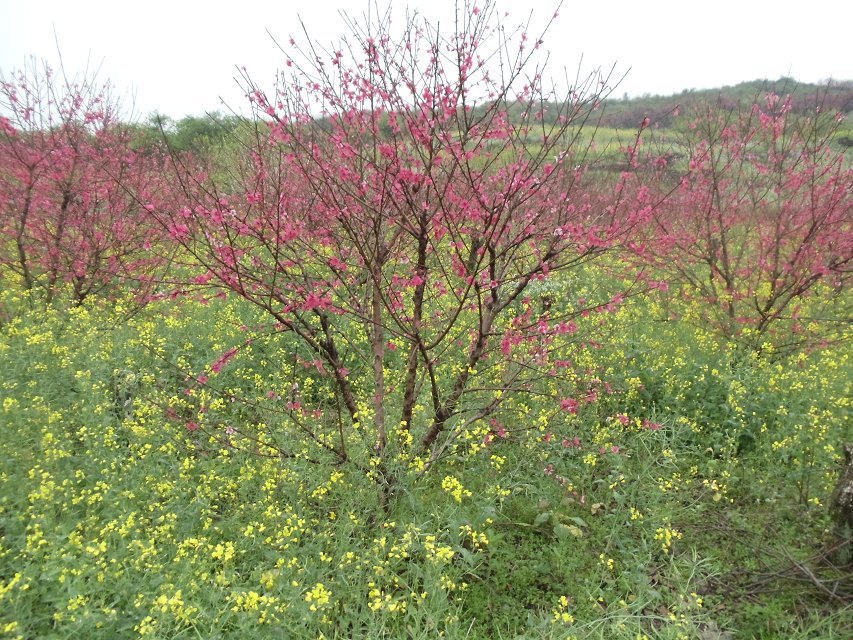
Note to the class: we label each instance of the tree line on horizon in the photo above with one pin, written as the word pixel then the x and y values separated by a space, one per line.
pixel 198 132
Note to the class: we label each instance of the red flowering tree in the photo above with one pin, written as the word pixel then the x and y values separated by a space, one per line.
pixel 762 216
pixel 71 187
pixel 405 202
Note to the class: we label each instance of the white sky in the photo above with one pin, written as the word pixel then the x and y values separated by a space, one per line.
pixel 179 57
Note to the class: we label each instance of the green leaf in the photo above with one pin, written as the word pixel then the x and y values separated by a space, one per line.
pixel 542 518
pixel 563 531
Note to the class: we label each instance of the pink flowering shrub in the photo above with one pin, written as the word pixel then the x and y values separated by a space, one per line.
pixel 403 203
pixel 762 215
pixel 73 190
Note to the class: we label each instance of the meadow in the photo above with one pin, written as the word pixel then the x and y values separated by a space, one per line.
pixel 424 348
pixel 689 502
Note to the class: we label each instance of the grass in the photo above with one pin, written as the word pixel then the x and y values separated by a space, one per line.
pixel 690 501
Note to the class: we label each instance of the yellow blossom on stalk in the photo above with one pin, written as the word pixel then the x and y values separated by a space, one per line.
pixel 560 614
pixel 147 626
pixel 447 584
pixel 454 487
pixel 318 597
pixel 266 607
pixel 268 578
pixel 666 536
pixel 223 552
pixel 478 539
pixel 437 553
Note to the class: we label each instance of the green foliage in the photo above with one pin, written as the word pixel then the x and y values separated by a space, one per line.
pixel 661 520
pixel 832 96
pixel 200 135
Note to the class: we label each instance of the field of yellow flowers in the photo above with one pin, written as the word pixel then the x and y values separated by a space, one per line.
pixel 690 500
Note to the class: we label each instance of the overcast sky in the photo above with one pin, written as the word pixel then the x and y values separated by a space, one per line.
pixel 179 57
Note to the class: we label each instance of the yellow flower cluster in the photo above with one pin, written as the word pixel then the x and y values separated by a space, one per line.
pixel 560 613
pixel 318 597
pixel 453 486
pixel 666 536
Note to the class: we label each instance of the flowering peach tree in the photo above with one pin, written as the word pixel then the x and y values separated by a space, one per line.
pixel 406 212
pixel 762 216
pixel 71 187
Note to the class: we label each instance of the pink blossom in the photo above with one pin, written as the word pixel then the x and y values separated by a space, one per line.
pixel 569 404
pixel 217 366
pixel 315 301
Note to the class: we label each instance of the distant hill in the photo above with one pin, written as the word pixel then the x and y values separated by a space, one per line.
pixel 200 133
pixel 832 96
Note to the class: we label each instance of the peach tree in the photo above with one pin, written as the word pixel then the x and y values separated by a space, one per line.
pixel 406 214
pixel 760 219
pixel 72 188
